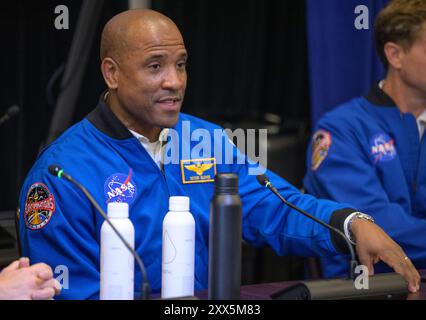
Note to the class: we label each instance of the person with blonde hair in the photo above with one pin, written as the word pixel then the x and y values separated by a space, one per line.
pixel 371 151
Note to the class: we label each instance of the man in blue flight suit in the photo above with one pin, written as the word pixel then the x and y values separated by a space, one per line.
pixel 371 151
pixel 117 153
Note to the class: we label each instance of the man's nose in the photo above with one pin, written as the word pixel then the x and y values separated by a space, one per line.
pixel 174 79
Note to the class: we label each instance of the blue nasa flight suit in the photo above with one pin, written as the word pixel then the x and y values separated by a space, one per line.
pixel 60 227
pixel 367 153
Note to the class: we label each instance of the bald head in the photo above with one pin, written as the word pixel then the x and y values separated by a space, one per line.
pixel 133 29
pixel 144 66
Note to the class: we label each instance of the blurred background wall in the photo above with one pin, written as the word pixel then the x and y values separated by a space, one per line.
pixel 275 64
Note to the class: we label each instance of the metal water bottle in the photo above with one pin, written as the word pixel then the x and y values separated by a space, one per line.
pixel 178 250
pixel 117 262
pixel 225 239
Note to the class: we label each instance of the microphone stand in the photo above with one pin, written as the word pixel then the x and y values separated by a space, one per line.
pixel 382 286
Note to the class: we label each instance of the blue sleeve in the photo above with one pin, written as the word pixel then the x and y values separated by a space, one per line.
pixel 267 221
pixel 54 229
pixel 345 173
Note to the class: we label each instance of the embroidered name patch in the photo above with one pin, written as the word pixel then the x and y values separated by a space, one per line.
pixel 198 170
pixel 39 206
pixel 321 143
pixel 120 188
pixel 382 148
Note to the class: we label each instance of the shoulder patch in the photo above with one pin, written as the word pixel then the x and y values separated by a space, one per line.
pixel 321 143
pixel 39 206
pixel 382 148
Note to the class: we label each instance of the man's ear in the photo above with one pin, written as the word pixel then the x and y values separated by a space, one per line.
pixel 394 54
pixel 110 71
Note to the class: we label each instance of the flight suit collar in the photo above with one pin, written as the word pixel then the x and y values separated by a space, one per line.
pixel 379 98
pixel 107 122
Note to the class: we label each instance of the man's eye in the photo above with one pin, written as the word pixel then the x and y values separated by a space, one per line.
pixel 181 65
pixel 154 66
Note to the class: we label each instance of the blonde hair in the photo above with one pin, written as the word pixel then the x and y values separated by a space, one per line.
pixel 399 22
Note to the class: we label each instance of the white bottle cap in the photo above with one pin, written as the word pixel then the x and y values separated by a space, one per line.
pixel 118 210
pixel 179 204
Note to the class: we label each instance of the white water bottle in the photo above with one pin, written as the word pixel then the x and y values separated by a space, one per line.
pixel 178 250
pixel 117 262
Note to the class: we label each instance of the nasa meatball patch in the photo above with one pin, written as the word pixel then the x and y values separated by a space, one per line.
pixel 39 206
pixel 382 148
pixel 321 143
pixel 120 187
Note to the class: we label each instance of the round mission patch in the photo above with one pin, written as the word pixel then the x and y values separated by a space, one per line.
pixel 321 143
pixel 39 206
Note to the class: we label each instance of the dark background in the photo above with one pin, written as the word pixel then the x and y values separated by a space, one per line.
pixel 247 59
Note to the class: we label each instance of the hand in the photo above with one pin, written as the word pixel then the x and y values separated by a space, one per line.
pixel 373 244
pixel 24 262
pixel 20 281
pixel 47 289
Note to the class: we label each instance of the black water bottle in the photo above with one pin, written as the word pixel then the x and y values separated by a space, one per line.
pixel 225 239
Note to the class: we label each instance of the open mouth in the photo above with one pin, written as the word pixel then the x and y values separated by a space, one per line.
pixel 169 100
pixel 169 103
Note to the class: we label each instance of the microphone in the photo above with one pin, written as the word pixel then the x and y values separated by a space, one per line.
pixel 382 286
pixel 57 171
pixel 264 181
pixel 10 113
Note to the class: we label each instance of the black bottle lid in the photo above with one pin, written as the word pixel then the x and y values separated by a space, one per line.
pixel 226 183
